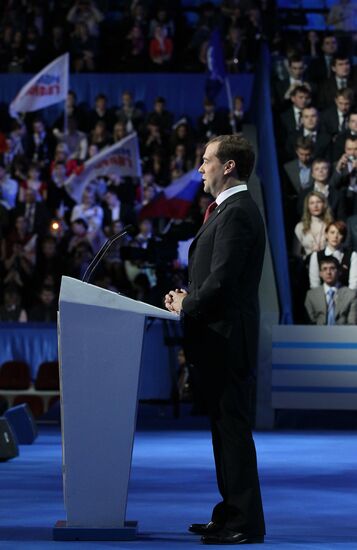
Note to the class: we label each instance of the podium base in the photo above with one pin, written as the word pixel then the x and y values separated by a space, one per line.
pixel 128 532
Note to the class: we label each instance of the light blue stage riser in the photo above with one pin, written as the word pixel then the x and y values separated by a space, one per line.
pixel 314 367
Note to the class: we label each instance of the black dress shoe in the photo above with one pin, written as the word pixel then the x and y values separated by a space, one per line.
pixel 205 528
pixel 227 536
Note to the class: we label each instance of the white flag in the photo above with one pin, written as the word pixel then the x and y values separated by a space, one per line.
pixel 48 87
pixel 121 159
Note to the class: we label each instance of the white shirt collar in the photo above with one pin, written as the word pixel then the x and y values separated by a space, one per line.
pixel 327 288
pixel 231 191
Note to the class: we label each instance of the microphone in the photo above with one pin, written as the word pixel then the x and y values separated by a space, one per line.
pixel 102 252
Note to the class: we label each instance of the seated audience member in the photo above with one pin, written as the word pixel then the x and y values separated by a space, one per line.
pixel 182 135
pixel 100 113
pixel 342 77
pixel 49 263
pixel 11 309
pixel 320 67
pixel 39 144
pixel 283 88
pixel 35 213
pixel 18 252
pixel 75 140
pixel 83 49
pixel 325 183
pixel 34 182
pixel 236 51
pixel 160 116
pixel 237 115
pixel 336 233
pixel 310 128
pixel 180 161
pixel 134 50
pixel 99 136
pixel 346 175
pixel 119 132
pixel 291 119
pixel 331 303
pixel 128 114
pixel 310 231
pixel 89 210
pixel 161 48
pixel 298 171
pixel 85 11
pixel 59 203
pixel 115 210
pixel 8 188
pixel 338 147
pixel 79 234
pixel 45 310
pixel 334 119
pixel 62 155
pixel 212 122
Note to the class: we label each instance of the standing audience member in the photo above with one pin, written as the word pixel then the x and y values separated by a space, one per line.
pixel 311 230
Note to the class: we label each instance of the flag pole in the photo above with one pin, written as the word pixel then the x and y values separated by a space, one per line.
pixel 230 102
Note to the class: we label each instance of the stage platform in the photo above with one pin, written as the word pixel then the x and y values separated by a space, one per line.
pixel 308 478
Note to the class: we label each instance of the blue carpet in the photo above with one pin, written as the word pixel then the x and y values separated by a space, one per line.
pixel 309 482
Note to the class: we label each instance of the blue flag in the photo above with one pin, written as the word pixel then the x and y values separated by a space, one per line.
pixel 216 66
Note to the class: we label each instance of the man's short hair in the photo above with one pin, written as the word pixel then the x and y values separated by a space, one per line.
pixel 237 148
pixel 304 143
pixel 300 89
pixel 295 58
pixel 346 93
pixel 339 56
pixel 320 160
pixel 329 260
pixel 352 112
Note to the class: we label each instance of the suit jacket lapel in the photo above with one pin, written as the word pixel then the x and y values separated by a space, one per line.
pixel 217 212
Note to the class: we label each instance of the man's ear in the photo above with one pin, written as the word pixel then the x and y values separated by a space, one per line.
pixel 230 166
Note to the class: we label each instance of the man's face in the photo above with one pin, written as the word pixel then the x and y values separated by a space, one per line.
pixel 310 119
pixel 329 273
pixel 47 297
pixel 351 148
pixel 300 100
pixel 101 104
pixel 342 68
pixel 320 171
pixel 38 127
pixel 352 123
pixel 329 45
pixel 296 69
pixel 304 155
pixel 212 171
pixel 343 104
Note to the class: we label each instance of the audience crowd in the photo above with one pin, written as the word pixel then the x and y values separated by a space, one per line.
pixel 45 233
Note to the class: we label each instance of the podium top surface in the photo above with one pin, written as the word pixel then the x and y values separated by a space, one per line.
pixel 77 292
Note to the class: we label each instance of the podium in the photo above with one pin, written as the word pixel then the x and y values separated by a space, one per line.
pixel 100 341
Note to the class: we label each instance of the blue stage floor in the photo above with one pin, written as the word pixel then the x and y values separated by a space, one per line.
pixel 309 485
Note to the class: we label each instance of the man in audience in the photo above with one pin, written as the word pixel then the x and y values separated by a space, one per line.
pixel 320 67
pixel 45 311
pixel 334 119
pixel 298 171
pixel 291 119
pixel 330 303
pixel 284 88
pixel 351 132
pixel 310 128
pixel 342 77
pixel 346 175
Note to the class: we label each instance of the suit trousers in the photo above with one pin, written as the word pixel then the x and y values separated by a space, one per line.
pixel 228 391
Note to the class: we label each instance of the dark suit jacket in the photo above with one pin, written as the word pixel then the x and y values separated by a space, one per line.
pixel 221 311
pixel 330 121
pixel 328 89
pixel 41 219
pixel 292 177
pixel 322 145
pixel 338 147
pixel 317 69
pixel 288 121
pixel 351 239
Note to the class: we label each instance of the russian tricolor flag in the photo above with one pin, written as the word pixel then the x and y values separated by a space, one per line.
pixel 175 200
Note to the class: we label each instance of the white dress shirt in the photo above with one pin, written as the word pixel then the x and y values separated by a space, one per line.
pixel 314 270
pixel 231 191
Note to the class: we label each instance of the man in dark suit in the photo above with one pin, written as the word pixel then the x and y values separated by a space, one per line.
pixel 351 132
pixel 282 88
pixel 319 68
pixel 221 324
pixel 310 128
pixel 345 175
pixel 291 119
pixel 334 119
pixel 342 77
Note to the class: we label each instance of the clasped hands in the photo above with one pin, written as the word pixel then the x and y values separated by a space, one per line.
pixel 174 299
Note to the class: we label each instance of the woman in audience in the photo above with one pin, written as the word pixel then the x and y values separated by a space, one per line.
pixel 310 231
pixel 335 235
pixel 34 182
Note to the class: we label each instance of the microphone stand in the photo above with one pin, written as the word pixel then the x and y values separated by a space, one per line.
pixel 102 252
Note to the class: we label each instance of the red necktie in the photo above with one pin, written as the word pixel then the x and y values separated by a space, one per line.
pixel 209 210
